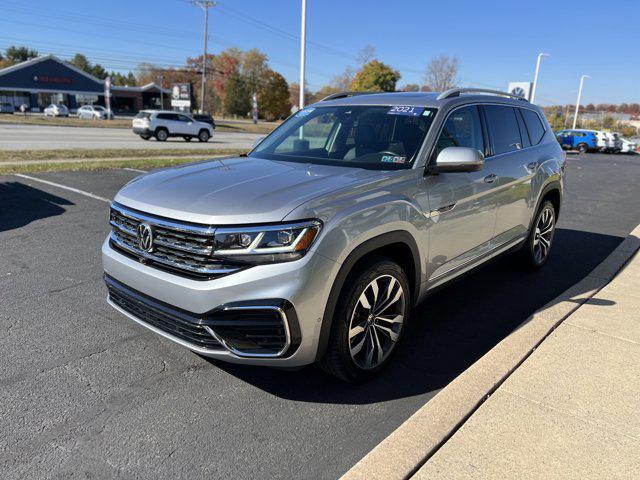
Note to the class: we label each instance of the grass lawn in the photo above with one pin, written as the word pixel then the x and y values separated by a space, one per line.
pixel 39 155
pixel 221 125
pixel 141 163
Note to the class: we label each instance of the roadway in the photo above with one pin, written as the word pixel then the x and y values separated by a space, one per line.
pixel 86 392
pixel 44 137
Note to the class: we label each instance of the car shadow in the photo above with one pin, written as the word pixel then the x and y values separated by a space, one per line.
pixel 451 329
pixel 21 204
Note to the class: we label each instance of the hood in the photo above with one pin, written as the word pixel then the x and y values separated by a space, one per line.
pixel 236 190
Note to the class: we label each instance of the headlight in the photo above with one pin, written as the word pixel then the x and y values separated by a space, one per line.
pixel 266 244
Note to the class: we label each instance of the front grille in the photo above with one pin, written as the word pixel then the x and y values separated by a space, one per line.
pixel 177 323
pixel 178 247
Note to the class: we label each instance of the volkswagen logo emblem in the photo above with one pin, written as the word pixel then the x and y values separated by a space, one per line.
pixel 145 237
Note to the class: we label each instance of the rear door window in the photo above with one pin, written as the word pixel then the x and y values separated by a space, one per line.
pixel 503 128
pixel 534 125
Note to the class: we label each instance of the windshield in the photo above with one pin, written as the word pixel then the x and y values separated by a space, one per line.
pixel 375 137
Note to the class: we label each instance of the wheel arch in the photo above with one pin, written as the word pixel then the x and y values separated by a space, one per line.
pixel 398 245
pixel 552 192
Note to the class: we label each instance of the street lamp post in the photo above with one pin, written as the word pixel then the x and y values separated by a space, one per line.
pixel 303 45
pixel 575 115
pixel 535 76
pixel 205 5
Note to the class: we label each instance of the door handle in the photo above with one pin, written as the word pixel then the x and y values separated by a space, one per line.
pixel 492 177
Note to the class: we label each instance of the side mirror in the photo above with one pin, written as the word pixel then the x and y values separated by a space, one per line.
pixel 459 159
pixel 258 140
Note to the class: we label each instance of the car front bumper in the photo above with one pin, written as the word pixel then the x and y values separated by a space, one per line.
pixel 299 290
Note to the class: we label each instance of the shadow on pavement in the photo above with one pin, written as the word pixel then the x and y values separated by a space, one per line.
pixel 21 204
pixel 451 329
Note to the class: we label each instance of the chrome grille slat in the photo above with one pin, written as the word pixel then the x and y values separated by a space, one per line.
pixel 175 246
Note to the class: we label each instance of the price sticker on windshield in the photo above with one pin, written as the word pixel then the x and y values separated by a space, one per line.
pixel 407 110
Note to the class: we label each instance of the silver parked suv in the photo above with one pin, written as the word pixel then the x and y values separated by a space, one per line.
pixel 163 124
pixel 316 245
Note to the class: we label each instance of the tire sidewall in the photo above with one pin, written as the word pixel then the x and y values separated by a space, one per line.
pixel 203 136
pixel 354 286
pixel 162 135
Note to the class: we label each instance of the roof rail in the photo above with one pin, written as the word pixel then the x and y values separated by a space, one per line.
pixel 335 96
pixel 455 92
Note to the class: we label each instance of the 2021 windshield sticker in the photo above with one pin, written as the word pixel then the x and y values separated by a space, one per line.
pixel 304 112
pixel 406 110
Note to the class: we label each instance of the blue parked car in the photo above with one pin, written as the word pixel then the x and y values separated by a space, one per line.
pixel 582 140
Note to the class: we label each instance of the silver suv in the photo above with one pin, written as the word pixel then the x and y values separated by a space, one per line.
pixel 163 124
pixel 316 245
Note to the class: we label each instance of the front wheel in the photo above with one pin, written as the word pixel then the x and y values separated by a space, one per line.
pixel 371 316
pixel 162 135
pixel 582 148
pixel 537 247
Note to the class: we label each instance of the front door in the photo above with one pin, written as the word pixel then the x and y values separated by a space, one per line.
pixel 462 207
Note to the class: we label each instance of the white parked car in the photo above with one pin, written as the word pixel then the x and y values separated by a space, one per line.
pixel 614 144
pixel 56 111
pixel 628 146
pixel 93 112
pixel 603 141
pixel 163 124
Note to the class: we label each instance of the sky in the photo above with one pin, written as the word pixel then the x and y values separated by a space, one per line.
pixel 496 42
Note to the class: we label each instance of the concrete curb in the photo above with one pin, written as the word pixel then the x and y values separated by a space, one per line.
pixel 405 450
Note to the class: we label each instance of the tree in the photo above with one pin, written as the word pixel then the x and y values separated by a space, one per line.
pixel 442 73
pixel 343 81
pixel 82 62
pixel 98 71
pixel 294 94
pixel 324 92
pixel 254 68
pixel 366 54
pixel 411 87
pixel 273 96
pixel 20 54
pixel 236 100
pixel 131 80
pixel 375 76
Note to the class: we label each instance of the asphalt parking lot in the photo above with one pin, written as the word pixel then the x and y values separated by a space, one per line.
pixel 43 137
pixel 85 392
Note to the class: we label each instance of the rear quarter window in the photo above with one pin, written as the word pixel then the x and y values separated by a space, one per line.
pixel 534 125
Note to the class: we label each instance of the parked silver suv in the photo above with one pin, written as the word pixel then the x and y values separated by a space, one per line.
pixel 316 245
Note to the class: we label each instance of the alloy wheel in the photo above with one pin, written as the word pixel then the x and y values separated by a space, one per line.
pixel 543 235
pixel 376 321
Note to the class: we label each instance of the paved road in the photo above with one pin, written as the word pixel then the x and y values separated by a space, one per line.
pixel 86 392
pixel 37 137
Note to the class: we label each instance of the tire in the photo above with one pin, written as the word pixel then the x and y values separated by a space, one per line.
pixel 162 135
pixel 187 139
pixel 583 148
pixel 374 339
pixel 203 136
pixel 537 248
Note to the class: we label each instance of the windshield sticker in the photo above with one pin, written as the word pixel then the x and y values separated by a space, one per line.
pixel 393 159
pixel 405 110
pixel 304 112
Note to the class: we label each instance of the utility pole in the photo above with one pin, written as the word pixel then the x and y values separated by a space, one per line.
pixel 575 115
pixel 205 5
pixel 303 46
pixel 535 76
pixel 161 77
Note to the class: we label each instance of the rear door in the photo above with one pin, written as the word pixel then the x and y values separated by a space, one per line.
pixel 515 161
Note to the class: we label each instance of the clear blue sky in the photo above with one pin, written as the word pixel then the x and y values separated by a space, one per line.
pixel 496 42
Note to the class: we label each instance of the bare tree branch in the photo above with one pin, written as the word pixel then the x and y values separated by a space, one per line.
pixel 442 73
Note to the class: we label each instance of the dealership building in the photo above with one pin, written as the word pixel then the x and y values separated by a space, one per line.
pixel 41 81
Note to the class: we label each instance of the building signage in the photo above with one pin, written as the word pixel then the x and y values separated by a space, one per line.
pixel 521 89
pixel 181 95
pixel 50 79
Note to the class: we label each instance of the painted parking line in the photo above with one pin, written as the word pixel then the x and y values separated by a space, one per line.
pixel 64 187
pixel 135 170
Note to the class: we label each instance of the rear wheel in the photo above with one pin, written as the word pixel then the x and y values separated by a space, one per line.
pixel 583 148
pixel 187 138
pixel 371 316
pixel 162 135
pixel 537 248
pixel 203 136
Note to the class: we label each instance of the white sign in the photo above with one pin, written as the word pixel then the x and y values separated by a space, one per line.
pixel 521 89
